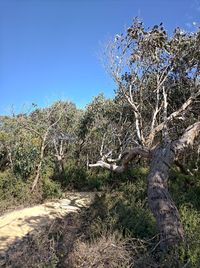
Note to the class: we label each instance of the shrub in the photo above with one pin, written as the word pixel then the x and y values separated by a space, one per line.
pixel 190 250
pixel 74 176
pixel 50 189
pixel 125 210
pixel 13 191
pixel 25 156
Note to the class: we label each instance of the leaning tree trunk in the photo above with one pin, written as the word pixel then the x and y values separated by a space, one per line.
pixel 160 201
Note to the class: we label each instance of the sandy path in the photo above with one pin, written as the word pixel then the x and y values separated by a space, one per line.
pixel 17 224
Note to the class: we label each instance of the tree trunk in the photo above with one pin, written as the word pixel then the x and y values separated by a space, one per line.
pixel 160 202
pixel 60 163
pixel 37 176
pixel 40 163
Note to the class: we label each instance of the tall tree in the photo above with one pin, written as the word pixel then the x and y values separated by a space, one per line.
pixel 41 123
pixel 158 76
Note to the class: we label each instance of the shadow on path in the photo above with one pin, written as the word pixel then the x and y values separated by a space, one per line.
pixel 38 229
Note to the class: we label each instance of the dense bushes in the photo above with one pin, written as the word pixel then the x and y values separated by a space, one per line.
pixel 51 189
pixel 13 191
pixel 124 209
pixel 78 177
pixel 191 222
pixel 25 160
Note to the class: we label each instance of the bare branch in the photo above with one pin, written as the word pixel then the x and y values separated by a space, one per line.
pixel 128 157
pixel 175 114
pixel 188 138
pixel 165 129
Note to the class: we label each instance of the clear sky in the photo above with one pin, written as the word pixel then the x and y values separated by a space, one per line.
pixel 49 49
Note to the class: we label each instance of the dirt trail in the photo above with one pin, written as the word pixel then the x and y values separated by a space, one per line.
pixel 15 225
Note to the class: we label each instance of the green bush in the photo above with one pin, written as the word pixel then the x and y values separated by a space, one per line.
pixel 125 210
pixel 50 189
pixel 13 191
pixel 25 156
pixel 190 250
pixel 11 186
pixel 185 188
pixel 79 178
pixel 98 179
pixel 74 176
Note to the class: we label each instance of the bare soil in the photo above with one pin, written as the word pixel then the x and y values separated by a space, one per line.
pixel 19 223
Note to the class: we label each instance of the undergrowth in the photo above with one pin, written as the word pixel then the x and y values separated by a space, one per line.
pixel 118 229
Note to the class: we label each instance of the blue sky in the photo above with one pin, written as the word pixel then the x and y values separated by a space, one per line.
pixel 49 49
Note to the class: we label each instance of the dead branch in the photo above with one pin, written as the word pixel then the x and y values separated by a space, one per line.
pixel 128 157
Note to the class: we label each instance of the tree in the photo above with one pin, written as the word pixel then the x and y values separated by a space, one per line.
pixel 41 123
pixel 158 76
pixel 64 134
pixel 8 129
pixel 105 127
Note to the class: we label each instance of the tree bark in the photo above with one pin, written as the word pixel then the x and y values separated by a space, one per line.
pixel 38 171
pixel 60 159
pixel 160 201
pixel 37 176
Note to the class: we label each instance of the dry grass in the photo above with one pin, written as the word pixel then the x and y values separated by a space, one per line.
pixel 108 251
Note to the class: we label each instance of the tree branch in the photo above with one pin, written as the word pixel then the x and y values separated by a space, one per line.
pixel 128 157
pixel 188 138
pixel 172 116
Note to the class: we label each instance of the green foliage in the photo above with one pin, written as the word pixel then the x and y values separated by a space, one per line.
pixel 97 180
pixel 48 167
pixel 187 185
pixel 51 189
pixel 79 178
pixel 191 222
pixel 25 156
pixel 185 190
pixel 13 191
pixel 125 209
pixel 74 176
pixel 10 185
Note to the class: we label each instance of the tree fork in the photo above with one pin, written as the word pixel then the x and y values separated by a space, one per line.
pixel 160 202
